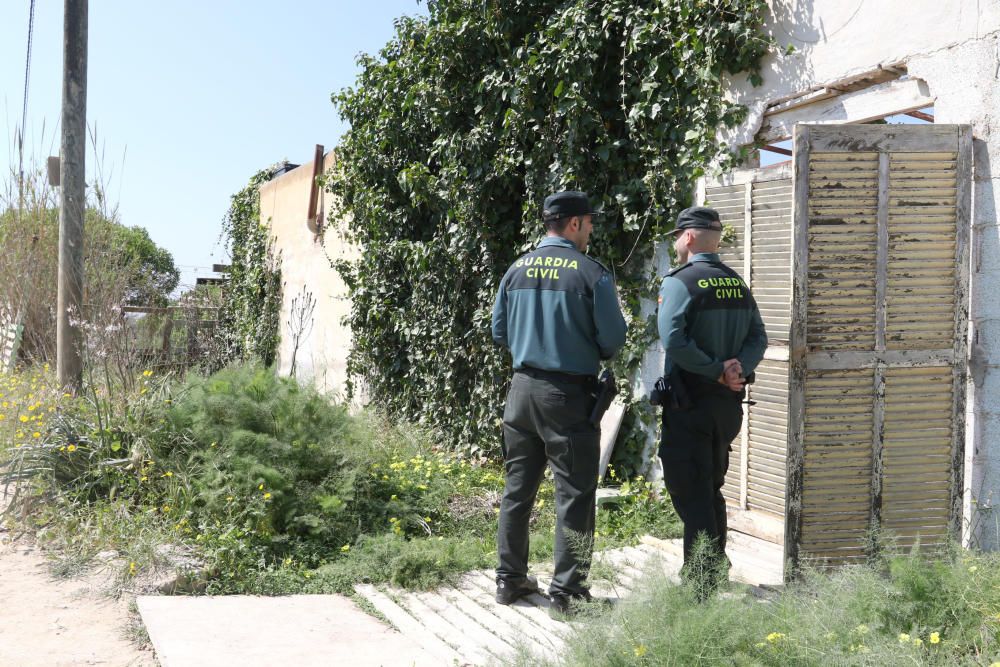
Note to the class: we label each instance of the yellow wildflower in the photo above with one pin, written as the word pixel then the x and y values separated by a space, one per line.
pixel 393 519
pixel 260 488
pixel 861 629
pixel 131 569
pixel 288 561
pixel 168 474
pixel 23 418
pixel 775 637
pixel 70 448
pixel 267 496
pixel 427 519
pixel 345 548
pixel 392 497
pixel 973 568
pixel 935 638
pixel 36 434
pixel 918 642
pixel 147 373
pixel 143 478
pixel 903 637
pixel 639 650
pixel 166 508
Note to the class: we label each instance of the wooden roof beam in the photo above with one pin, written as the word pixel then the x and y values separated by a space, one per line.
pixel 921 115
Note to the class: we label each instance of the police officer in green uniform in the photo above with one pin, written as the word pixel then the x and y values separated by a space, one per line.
pixel 712 333
pixel 557 312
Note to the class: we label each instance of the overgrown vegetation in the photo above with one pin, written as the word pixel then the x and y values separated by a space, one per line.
pixel 122 265
pixel 909 609
pixel 460 127
pixel 250 318
pixel 268 484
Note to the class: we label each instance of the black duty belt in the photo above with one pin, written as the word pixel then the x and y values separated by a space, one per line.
pixel 557 376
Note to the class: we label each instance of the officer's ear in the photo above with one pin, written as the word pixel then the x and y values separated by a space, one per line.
pixel 573 225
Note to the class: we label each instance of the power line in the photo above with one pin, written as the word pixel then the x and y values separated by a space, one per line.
pixel 24 106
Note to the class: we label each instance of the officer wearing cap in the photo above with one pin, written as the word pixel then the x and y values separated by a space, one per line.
pixel 557 312
pixel 713 334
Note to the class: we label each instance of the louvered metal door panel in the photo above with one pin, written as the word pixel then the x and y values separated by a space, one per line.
pixel 757 204
pixel 916 455
pixel 837 464
pixel 768 438
pixel 843 204
pixel 771 254
pixel 730 202
pixel 920 298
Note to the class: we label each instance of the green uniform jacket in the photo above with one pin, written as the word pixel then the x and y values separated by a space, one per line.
pixel 707 315
pixel 557 310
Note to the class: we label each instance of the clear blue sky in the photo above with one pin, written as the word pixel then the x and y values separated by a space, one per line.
pixel 190 99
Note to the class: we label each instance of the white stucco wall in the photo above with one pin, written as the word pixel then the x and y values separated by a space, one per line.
pixel 306 261
pixel 952 46
pixel 835 39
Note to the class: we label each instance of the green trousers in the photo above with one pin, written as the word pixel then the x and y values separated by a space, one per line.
pixel 546 422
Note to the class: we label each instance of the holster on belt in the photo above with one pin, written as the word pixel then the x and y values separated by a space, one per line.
pixel 606 391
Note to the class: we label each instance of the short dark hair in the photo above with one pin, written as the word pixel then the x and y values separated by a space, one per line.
pixel 557 224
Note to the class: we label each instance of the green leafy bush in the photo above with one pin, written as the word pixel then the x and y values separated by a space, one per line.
pixel 640 508
pixel 463 123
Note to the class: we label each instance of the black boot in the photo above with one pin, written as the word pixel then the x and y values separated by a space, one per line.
pixel 564 607
pixel 508 592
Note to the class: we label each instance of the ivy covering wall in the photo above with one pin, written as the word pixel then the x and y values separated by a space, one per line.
pixel 461 126
pixel 250 316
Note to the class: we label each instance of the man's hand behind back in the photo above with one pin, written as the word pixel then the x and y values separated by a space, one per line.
pixel 732 375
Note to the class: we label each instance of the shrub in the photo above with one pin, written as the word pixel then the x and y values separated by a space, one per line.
pixel 928 610
pixel 274 486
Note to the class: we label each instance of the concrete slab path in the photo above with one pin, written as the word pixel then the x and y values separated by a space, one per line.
pixel 456 625
pixel 247 631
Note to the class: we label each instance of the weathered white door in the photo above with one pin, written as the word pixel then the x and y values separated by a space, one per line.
pixel 877 343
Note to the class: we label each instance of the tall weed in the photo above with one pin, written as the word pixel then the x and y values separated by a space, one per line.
pixel 924 609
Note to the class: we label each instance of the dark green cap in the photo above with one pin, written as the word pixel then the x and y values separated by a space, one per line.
pixel 698 217
pixel 566 204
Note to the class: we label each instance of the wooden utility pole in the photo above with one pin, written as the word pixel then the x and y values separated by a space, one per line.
pixel 74 196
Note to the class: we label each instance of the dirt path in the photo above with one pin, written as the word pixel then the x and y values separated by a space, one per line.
pixel 59 622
